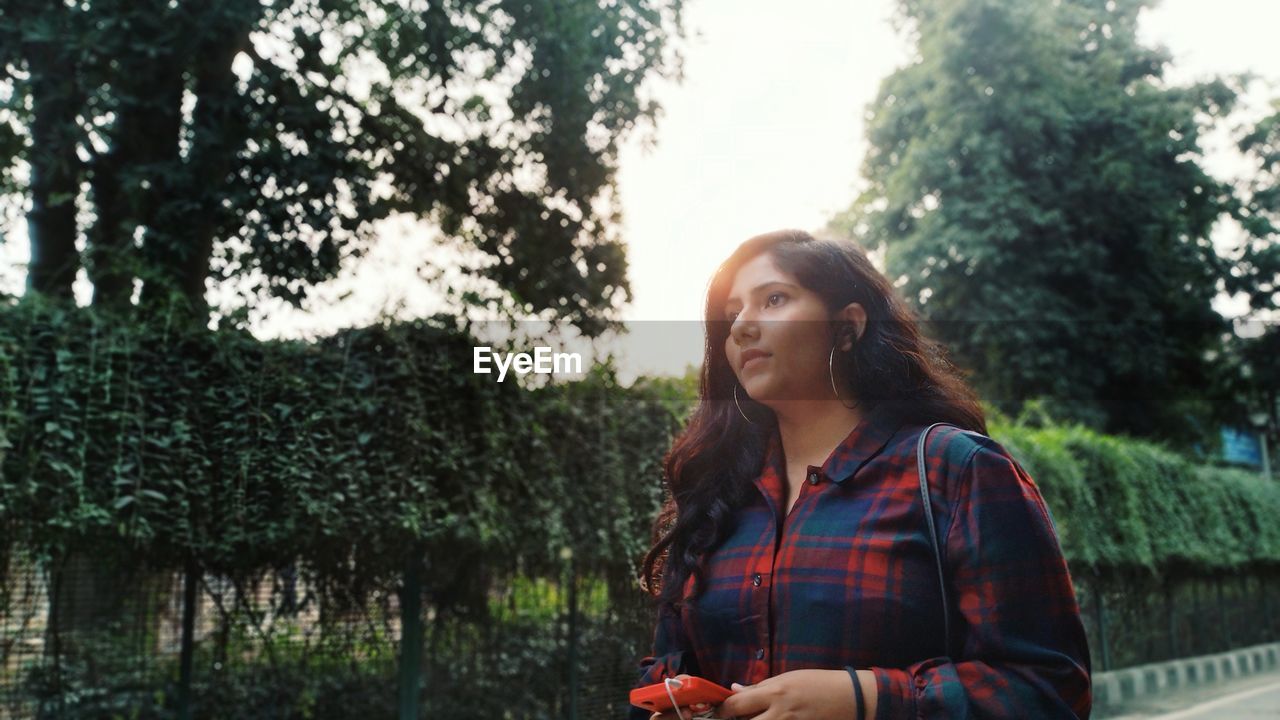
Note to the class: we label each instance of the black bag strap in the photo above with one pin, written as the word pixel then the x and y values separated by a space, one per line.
pixel 933 531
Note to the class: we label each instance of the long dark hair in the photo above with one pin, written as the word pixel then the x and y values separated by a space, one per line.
pixel 709 470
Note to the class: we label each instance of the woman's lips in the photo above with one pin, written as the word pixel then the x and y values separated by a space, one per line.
pixel 753 360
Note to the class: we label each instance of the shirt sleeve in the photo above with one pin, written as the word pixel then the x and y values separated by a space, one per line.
pixel 1024 653
pixel 672 655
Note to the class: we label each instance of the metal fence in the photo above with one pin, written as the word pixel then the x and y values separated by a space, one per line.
pixel 75 644
pixel 82 641
pixel 1142 619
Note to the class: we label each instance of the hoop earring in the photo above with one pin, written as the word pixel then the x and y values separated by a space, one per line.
pixel 832 374
pixel 735 402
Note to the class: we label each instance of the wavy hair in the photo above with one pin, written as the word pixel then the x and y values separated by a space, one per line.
pixel 710 467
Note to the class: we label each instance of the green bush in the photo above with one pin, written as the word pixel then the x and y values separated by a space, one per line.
pixel 1124 506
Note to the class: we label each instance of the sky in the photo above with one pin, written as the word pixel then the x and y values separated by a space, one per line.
pixel 765 132
pixel 762 137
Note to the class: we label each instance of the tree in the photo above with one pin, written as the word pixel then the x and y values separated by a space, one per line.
pixel 260 140
pixel 1039 190
pixel 1257 268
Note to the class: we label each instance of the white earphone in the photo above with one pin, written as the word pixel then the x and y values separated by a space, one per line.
pixel 668 683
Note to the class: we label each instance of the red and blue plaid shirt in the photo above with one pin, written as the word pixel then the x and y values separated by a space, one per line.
pixel 849 578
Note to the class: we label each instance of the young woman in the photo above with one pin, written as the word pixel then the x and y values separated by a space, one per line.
pixel 793 563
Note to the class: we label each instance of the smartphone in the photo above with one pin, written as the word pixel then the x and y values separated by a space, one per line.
pixel 690 692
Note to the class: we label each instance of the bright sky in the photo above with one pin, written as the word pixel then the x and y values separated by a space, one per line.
pixel 765 133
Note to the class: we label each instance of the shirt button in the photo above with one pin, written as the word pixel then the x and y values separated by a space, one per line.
pixel 813 478
pixel 755 579
pixel 760 654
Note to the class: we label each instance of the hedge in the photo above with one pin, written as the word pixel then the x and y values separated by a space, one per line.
pixel 165 445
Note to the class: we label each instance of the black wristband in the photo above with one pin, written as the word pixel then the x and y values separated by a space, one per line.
pixel 857 694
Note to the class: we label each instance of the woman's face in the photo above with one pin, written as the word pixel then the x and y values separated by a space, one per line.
pixel 781 334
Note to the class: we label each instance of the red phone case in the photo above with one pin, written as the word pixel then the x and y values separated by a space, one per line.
pixel 692 691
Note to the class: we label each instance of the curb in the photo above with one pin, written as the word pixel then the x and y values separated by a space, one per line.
pixel 1114 687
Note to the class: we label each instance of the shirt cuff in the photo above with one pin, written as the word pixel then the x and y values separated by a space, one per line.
pixel 895 694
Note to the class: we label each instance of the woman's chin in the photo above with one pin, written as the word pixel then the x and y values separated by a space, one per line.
pixel 761 392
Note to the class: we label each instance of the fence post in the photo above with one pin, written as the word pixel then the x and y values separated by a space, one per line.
pixel 573 636
pixel 1244 608
pixel 1222 613
pixel 1266 607
pixel 190 584
pixel 1172 615
pixel 57 584
pixel 1198 646
pixel 1102 623
pixel 411 637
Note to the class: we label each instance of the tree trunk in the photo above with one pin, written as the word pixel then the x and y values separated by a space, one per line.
pixel 151 137
pixel 134 180
pixel 217 135
pixel 181 234
pixel 111 250
pixel 55 168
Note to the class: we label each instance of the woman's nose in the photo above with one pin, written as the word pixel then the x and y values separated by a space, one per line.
pixel 743 330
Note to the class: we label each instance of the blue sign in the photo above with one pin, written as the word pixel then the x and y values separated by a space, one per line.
pixel 1242 447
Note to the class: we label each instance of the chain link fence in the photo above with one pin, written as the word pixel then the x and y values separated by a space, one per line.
pixel 80 640
pixel 1141 619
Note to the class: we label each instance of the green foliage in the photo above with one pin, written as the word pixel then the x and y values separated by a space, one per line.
pixel 260 141
pixel 479 672
pixel 1041 194
pixel 351 455
pixel 314 691
pixel 1259 213
pixel 1128 506
pixel 348 456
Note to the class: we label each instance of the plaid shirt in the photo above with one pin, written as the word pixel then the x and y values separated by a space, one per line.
pixel 848 578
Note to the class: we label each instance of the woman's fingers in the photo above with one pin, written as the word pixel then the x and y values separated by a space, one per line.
pixel 749 701
pixel 685 714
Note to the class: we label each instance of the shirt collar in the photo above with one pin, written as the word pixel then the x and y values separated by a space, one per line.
pixel 864 442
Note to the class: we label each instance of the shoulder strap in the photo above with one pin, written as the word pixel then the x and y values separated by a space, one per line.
pixel 921 468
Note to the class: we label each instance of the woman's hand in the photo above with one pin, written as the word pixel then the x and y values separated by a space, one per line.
pixel 800 694
pixel 685 712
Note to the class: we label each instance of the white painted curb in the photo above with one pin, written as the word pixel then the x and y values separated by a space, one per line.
pixel 1114 687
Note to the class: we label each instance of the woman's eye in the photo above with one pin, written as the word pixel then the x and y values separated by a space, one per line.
pixel 772 300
